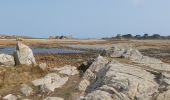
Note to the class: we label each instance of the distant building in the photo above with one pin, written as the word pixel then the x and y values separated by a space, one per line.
pixel 60 37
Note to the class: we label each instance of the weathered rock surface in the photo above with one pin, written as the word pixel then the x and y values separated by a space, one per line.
pixel 135 56
pixel 90 73
pixel 164 96
pixel 99 95
pixel 50 82
pixel 130 53
pixel 10 97
pixel 68 70
pixel 53 98
pixel 26 90
pixel 85 65
pixel 24 55
pixel 114 52
pixel 7 60
pixel 106 80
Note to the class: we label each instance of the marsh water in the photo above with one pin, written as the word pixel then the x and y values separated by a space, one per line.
pixel 38 50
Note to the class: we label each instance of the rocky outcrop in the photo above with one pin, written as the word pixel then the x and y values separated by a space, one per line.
pixel 50 82
pixel 135 56
pixel 90 74
pixel 105 80
pixel 113 52
pixel 67 70
pixel 6 60
pixel 85 65
pixel 24 55
pixel 122 52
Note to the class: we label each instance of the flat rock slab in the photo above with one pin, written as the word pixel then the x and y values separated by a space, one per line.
pixel 68 70
pixel 50 82
pixel 135 56
pixel 10 97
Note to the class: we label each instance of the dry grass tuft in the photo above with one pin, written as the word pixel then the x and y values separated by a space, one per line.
pixel 12 77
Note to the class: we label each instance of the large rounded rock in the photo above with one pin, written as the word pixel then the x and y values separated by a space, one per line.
pixel 24 55
pixel 6 60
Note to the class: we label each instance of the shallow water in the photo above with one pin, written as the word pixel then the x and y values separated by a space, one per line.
pixel 92 47
pixel 10 50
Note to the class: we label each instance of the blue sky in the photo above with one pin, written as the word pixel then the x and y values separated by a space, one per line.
pixel 84 18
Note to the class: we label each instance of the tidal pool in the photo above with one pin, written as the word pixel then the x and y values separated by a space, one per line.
pixel 38 50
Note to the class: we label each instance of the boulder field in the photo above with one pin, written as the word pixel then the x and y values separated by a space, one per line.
pixel 103 78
